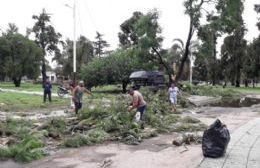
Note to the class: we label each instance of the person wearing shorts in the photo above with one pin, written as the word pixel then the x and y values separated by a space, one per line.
pixel 173 92
pixel 77 96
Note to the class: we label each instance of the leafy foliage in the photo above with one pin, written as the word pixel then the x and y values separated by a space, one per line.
pixel 46 38
pixel 28 145
pixel 100 45
pixel 19 56
pixel 142 34
pixel 85 54
pixel 116 68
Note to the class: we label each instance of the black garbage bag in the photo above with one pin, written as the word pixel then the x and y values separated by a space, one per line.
pixel 215 140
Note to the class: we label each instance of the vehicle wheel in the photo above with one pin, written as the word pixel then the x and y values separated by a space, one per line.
pixel 60 93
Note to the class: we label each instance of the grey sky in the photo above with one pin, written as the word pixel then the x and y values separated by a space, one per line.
pixel 106 16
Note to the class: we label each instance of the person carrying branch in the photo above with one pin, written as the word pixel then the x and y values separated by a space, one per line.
pixel 77 95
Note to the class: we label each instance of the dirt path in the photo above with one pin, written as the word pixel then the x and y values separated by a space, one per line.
pixel 152 153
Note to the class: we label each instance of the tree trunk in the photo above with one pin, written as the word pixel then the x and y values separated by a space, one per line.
pixel 44 76
pixel 17 81
pixel 165 65
pixel 214 76
pixel 124 86
pixel 186 52
pixel 233 83
pixel 238 75
pixel 246 82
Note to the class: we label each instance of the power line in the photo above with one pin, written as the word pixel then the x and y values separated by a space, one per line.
pixel 90 15
pixel 79 20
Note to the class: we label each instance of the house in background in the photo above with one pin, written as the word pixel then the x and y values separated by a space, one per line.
pixel 51 75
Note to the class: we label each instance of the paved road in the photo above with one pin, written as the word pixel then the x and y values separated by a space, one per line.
pixel 243 150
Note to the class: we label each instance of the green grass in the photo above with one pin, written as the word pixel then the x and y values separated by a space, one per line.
pixel 210 91
pixel 107 91
pixel 218 90
pixel 24 86
pixel 27 87
pixel 25 102
pixel 247 90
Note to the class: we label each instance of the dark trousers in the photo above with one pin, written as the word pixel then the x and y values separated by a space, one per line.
pixel 141 110
pixel 78 106
pixel 45 95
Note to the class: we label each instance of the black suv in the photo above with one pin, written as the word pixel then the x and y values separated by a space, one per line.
pixel 147 78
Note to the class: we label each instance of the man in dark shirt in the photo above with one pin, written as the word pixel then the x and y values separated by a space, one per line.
pixel 47 90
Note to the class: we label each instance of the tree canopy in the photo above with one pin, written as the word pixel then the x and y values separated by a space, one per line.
pixel 46 38
pixel 19 56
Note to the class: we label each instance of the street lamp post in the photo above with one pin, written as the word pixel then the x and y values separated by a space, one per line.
pixel 74 39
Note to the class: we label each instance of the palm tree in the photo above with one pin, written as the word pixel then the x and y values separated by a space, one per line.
pixel 178 48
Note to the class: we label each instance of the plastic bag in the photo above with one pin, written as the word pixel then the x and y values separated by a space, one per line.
pixel 137 116
pixel 215 140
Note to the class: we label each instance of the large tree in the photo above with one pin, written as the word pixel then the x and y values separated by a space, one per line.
pixel 257 9
pixel 251 63
pixel 113 69
pixel 21 56
pixel 46 38
pixel 85 53
pixel 234 45
pixel 142 34
pixel 99 45
pixel 193 8
pixel 208 34
pixel 4 50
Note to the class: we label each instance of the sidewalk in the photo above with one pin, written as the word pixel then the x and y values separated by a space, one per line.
pixel 243 149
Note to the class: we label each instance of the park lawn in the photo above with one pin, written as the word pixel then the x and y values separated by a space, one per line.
pixel 247 90
pixel 26 87
pixel 25 102
pixel 106 91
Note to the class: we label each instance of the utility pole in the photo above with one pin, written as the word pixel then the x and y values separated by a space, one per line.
pixel 74 41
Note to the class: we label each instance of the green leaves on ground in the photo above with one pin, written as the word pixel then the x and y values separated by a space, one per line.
pixel 26 144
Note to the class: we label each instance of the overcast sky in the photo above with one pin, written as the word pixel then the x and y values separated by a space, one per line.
pixel 106 16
